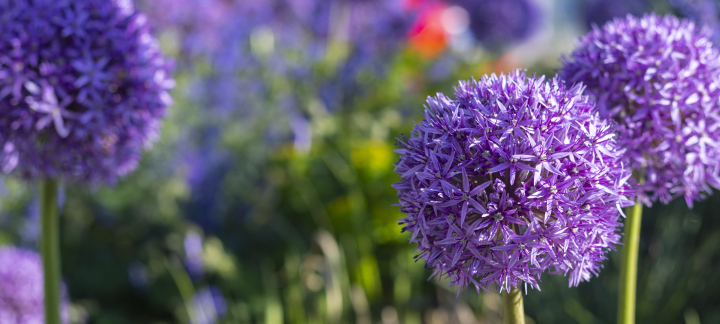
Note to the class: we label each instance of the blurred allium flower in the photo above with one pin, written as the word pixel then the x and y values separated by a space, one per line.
pixel 83 87
pixel 21 288
pixel 658 78
pixel 207 164
pixel 137 275
pixel 499 23
pixel 208 305
pixel 703 12
pixel 193 260
pixel 196 22
pixel 599 12
pixel 512 177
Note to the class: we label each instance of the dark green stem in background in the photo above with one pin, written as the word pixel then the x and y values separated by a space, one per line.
pixel 185 287
pixel 512 305
pixel 50 249
pixel 628 266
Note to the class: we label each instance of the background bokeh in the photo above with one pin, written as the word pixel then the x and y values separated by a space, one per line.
pixel 268 198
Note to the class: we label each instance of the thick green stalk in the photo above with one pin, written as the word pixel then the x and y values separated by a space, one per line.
pixel 628 266
pixel 513 310
pixel 50 248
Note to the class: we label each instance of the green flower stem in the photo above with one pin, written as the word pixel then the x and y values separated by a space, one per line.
pixel 513 310
pixel 50 248
pixel 628 266
pixel 185 287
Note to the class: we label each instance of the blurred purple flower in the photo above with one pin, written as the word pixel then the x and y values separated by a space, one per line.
pixel 303 135
pixel 207 164
pixel 83 88
pixel 21 288
pixel 598 12
pixel 208 305
pixel 512 177
pixel 193 260
pixel 196 22
pixel 658 78
pixel 137 275
pixel 703 12
pixel 288 39
pixel 496 24
pixel 30 230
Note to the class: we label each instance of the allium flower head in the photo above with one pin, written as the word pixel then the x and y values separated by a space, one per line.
pixel 511 177
pixel 21 287
pixel 83 87
pixel 498 23
pixel 658 78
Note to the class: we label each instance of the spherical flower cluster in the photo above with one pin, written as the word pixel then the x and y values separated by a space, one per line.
pixel 658 78
pixel 498 23
pixel 512 177
pixel 21 287
pixel 83 88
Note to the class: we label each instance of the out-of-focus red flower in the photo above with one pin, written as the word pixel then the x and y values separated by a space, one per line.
pixel 427 35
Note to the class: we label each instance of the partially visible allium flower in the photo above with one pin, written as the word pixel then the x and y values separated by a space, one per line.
pixel 207 163
pixel 21 288
pixel 499 23
pixel 658 78
pixel 598 12
pixel 193 259
pixel 83 88
pixel 703 12
pixel 511 177
pixel 208 306
pixel 196 22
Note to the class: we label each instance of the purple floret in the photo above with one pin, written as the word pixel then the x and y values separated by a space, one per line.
pixel 83 89
pixel 21 288
pixel 511 177
pixel 658 78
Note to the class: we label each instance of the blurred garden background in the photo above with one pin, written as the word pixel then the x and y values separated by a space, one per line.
pixel 268 198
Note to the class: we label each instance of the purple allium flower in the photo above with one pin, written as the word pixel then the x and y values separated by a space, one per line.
pixel 703 12
pixel 499 23
pixel 21 288
pixel 83 88
pixel 208 305
pixel 193 260
pixel 512 177
pixel 658 78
